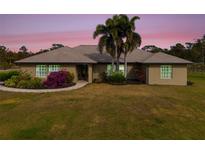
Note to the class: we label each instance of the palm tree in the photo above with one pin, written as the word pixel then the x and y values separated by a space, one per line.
pixel 132 39
pixel 115 32
pixel 106 41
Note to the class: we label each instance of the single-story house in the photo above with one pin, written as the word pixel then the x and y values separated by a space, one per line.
pixel 86 63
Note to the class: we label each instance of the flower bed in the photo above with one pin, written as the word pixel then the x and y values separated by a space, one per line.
pixel 54 80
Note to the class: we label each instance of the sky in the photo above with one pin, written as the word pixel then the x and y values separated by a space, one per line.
pixel 41 31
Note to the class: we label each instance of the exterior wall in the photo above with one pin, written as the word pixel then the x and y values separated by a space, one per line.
pixel 94 71
pixel 72 69
pixel 131 71
pixel 98 69
pixel 179 75
pixel 31 69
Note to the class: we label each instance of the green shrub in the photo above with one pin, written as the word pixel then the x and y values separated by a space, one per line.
pixel 116 77
pixel 24 84
pixel 15 79
pixel 24 80
pixel 35 83
pixel 24 76
pixel 5 75
pixel 10 83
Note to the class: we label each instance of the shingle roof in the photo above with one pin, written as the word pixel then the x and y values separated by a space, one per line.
pixel 61 55
pixel 91 51
pixel 137 55
pixel 165 58
pixel 90 54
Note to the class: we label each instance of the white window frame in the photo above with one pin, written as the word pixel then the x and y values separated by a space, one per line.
pixel 122 68
pixel 166 72
pixel 109 68
pixel 53 68
pixel 41 71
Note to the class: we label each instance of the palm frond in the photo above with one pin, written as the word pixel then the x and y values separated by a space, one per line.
pixel 102 43
pixel 132 21
pixel 100 30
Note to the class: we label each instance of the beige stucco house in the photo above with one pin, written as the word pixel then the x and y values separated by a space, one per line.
pixel 86 63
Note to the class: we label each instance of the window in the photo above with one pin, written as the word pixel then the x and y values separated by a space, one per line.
pixel 53 68
pixel 41 70
pixel 122 68
pixel 165 71
pixel 109 68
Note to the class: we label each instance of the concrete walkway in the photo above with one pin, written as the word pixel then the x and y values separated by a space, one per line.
pixel 78 85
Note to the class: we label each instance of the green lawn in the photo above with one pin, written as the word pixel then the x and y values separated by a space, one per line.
pixel 103 111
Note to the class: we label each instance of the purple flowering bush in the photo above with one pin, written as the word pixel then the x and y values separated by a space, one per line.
pixel 58 79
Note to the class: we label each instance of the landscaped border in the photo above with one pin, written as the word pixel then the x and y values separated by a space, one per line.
pixel 78 85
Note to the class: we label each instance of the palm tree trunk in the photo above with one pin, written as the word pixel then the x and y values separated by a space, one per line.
pixel 125 63
pixel 113 63
pixel 117 64
pixel 117 59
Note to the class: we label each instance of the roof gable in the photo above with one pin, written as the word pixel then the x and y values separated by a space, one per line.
pixel 160 57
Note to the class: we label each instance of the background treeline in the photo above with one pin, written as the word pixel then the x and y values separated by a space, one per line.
pixel 8 57
pixel 193 51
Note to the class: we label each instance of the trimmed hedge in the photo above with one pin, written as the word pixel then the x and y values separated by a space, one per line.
pixel 5 75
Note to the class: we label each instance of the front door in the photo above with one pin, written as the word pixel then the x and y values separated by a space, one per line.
pixel 82 70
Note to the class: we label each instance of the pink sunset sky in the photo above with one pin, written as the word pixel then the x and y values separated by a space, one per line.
pixel 41 31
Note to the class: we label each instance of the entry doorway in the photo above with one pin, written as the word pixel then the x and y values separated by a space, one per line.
pixel 82 71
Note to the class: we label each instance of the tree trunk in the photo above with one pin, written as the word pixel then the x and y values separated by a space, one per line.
pixel 113 63
pixel 117 64
pixel 125 63
pixel 117 58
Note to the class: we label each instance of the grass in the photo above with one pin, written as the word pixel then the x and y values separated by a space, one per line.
pixel 103 111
